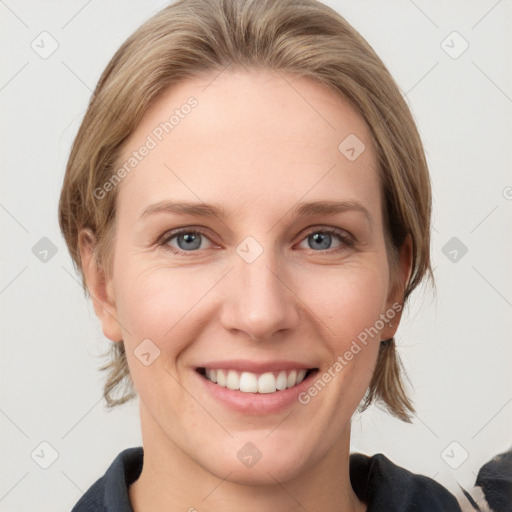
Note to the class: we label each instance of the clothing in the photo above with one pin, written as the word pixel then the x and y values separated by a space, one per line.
pixel 495 480
pixel 382 485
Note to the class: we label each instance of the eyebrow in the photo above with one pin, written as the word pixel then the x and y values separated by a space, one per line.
pixel 312 208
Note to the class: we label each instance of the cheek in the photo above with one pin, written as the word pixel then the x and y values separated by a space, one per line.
pixel 169 305
pixel 157 302
pixel 161 305
pixel 348 303
pixel 347 299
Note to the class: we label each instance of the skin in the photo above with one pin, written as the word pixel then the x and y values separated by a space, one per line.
pixel 257 146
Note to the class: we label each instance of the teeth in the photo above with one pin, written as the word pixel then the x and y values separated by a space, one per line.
pixel 221 378
pixel 281 381
pixel 232 380
pixel 248 382
pixel 292 378
pixel 267 383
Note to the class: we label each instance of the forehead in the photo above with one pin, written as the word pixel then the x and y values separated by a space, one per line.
pixel 247 137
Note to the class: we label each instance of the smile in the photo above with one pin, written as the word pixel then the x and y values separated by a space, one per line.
pixel 248 382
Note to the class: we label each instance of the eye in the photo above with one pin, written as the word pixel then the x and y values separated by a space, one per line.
pixel 185 240
pixel 322 239
pixel 188 240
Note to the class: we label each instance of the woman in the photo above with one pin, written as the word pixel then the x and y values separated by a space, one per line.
pixel 248 203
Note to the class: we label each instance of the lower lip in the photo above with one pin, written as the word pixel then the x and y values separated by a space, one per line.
pixel 255 403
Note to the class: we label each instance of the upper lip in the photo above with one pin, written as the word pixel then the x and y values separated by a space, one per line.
pixel 256 367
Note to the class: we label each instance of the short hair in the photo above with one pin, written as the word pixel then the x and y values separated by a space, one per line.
pixel 305 38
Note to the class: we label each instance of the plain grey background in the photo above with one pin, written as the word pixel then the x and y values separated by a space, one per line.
pixel 451 61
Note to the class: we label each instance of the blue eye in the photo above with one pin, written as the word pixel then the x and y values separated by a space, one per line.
pixel 319 239
pixel 322 239
pixel 191 241
pixel 187 241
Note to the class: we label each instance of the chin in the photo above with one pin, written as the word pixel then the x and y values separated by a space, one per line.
pixel 261 462
pixel 264 472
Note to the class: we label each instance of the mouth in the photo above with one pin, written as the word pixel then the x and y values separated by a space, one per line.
pixel 261 383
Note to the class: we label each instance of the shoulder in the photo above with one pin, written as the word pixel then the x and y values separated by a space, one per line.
pixel 494 482
pixel 384 486
pixel 110 492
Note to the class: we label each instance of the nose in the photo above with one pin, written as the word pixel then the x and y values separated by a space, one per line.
pixel 260 300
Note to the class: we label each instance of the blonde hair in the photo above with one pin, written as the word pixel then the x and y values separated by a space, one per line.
pixel 301 37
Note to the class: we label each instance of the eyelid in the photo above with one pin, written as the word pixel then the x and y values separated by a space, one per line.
pixel 327 229
pixel 345 237
pixel 169 235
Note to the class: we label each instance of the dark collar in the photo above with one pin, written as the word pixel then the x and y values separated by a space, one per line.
pixel 382 485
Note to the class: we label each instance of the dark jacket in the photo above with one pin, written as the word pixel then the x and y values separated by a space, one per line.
pixel 382 485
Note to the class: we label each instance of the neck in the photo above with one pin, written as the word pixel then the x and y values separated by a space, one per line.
pixel 172 481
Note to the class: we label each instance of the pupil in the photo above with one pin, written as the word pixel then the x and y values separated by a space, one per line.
pixel 322 240
pixel 192 241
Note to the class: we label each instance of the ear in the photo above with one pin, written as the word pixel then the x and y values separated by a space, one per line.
pixel 99 287
pixel 395 301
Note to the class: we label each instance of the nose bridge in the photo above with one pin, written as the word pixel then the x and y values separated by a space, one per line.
pixel 260 302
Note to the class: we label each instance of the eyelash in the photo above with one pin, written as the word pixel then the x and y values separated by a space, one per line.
pixel 346 240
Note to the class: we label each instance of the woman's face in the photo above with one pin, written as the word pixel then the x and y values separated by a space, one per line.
pixel 268 286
